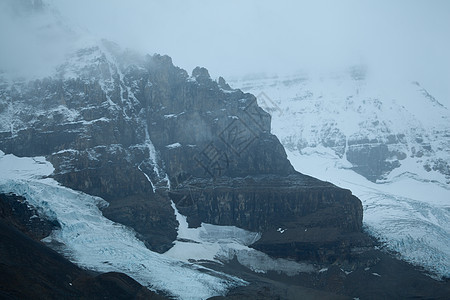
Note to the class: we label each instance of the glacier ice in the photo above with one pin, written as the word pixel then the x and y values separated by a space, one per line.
pixel 410 217
pixel 94 242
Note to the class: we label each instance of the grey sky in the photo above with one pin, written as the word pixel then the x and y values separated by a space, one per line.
pixel 403 38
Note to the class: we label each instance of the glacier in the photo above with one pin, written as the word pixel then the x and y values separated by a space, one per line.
pixel 94 242
pixel 408 206
pixel 401 214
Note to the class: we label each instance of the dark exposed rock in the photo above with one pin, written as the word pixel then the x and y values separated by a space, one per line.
pixel 15 211
pixel 28 269
pixel 262 202
pixel 372 158
pixel 300 217
pixel 125 127
pixel 223 84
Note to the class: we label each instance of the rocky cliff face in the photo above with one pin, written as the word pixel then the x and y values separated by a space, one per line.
pixel 297 214
pixel 140 132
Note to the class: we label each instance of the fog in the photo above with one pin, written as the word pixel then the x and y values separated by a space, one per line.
pixel 33 39
pixel 403 39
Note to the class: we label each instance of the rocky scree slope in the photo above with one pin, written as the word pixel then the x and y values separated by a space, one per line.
pixel 140 132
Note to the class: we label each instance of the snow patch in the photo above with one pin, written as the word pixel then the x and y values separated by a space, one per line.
pixel 223 243
pixel 148 178
pixel 173 146
pixel 280 230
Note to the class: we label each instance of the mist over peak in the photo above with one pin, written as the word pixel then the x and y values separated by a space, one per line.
pixel 405 40
pixel 23 7
pixel 35 39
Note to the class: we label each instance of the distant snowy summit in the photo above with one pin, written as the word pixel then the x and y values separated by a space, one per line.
pixel 380 130
pixel 387 142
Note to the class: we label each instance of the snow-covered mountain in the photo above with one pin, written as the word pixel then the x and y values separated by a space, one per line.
pixel 176 179
pixel 388 142
pixel 129 140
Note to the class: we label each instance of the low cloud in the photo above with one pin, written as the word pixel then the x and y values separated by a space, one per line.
pixel 34 38
pixel 398 39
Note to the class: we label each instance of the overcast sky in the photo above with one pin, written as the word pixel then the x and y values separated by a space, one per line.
pixel 399 38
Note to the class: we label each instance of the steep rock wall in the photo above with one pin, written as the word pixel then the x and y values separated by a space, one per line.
pixel 132 129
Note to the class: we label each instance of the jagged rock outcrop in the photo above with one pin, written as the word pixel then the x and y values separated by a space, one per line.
pixel 140 132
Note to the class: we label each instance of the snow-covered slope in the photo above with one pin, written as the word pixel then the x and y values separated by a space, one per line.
pixel 377 126
pixel 387 142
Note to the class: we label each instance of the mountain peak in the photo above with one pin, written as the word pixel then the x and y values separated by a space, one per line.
pixel 201 73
